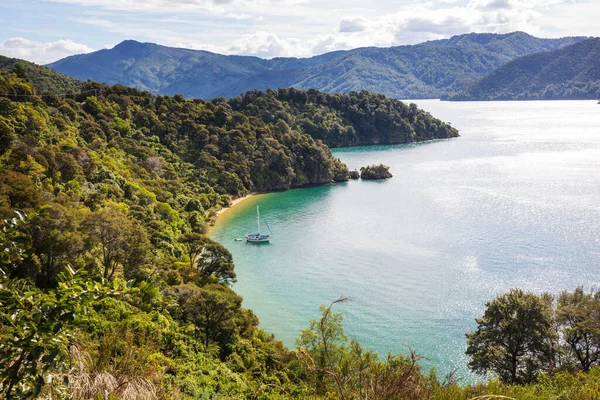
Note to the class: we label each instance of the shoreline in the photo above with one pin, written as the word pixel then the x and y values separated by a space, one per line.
pixel 239 200
pixel 234 203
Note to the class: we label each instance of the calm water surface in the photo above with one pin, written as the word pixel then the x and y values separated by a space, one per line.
pixel 513 202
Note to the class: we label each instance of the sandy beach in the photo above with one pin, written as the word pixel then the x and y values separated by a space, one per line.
pixel 234 203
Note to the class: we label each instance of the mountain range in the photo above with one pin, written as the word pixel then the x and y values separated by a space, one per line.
pixel 572 72
pixel 428 70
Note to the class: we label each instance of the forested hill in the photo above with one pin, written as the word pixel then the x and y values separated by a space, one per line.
pixel 340 120
pixel 95 190
pixel 572 72
pixel 110 288
pixel 126 144
pixel 43 78
pixel 426 70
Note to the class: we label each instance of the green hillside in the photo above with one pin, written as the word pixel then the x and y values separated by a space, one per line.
pixel 122 186
pixel 110 289
pixel 341 120
pixel 43 78
pixel 426 70
pixel 572 73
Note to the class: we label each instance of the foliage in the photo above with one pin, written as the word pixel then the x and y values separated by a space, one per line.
pixel 426 70
pixel 563 385
pixel 336 364
pixel 208 260
pixel 578 317
pixel 373 172
pixel 121 241
pixel 569 73
pixel 512 338
pixel 36 325
pixel 122 186
pixel 43 78
pixel 342 120
pixel 212 310
pixel 522 335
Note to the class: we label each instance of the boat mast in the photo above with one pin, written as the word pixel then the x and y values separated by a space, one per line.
pixel 258 219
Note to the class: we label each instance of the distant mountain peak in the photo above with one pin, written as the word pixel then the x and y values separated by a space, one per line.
pixel 427 70
pixel 132 44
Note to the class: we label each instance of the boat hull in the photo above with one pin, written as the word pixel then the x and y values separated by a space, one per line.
pixel 258 238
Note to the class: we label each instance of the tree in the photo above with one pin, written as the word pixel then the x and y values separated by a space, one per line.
pixel 513 338
pixel 373 172
pixel 213 310
pixel 323 345
pixel 209 258
pixel 578 318
pixel 16 247
pixel 121 240
pixel 217 261
pixel 55 241
pixel 194 245
pixel 336 363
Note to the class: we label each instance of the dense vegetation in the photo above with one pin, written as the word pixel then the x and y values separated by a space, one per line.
pixel 426 70
pixel 569 73
pixel 109 287
pixel 340 120
pixel 121 186
pixel 374 172
pixel 43 78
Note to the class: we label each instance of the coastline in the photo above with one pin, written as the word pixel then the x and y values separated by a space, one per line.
pixel 234 203
pixel 239 200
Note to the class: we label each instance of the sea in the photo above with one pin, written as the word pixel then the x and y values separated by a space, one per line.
pixel 514 202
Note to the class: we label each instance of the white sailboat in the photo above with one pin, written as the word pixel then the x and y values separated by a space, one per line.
pixel 259 237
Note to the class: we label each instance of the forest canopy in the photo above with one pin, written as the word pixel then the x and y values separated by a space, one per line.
pixel 110 288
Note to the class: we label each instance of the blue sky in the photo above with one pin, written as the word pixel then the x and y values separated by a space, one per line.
pixel 46 30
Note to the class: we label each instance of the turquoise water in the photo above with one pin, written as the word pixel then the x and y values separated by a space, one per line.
pixel 513 202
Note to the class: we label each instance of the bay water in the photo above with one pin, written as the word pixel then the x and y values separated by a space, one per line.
pixel 512 203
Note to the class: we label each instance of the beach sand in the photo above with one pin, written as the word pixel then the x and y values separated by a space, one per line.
pixel 234 203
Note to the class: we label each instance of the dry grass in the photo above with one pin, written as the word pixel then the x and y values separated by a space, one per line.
pixel 84 384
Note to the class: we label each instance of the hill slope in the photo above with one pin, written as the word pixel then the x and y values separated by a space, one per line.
pixel 572 72
pixel 420 71
pixel 43 78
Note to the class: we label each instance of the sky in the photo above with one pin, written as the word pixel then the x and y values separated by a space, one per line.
pixel 43 31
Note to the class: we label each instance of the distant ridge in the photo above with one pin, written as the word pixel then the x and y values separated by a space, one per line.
pixel 427 70
pixel 572 72
pixel 43 78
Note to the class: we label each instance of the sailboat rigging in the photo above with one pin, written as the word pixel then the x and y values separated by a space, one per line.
pixel 259 237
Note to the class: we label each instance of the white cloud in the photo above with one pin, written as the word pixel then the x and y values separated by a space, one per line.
pixel 409 25
pixel 268 45
pixel 300 28
pixel 41 52
pixel 427 21
pixel 356 24
pixel 224 8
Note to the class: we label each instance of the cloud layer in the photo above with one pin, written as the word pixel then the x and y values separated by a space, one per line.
pixel 41 53
pixel 300 28
pixel 412 23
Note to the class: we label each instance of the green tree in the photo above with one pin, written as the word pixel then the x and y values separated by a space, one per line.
pixel 194 244
pixel 578 318
pixel 513 338
pixel 209 258
pixel 336 363
pixel 373 172
pixel 122 242
pixel 213 310
pixel 55 241
pixel 322 347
